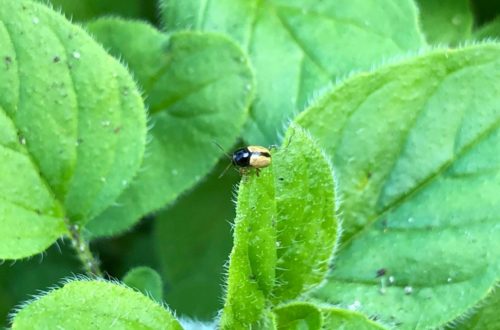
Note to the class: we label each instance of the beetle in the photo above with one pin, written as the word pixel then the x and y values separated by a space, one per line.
pixel 251 157
pixel 247 158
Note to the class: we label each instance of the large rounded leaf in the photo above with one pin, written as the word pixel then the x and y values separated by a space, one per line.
pixel 198 87
pixel 72 128
pixel 416 148
pixel 299 46
pixel 94 305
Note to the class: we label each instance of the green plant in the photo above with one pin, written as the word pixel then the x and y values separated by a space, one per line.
pixel 379 210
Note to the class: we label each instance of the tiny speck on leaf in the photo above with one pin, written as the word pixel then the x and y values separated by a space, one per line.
pixel 408 290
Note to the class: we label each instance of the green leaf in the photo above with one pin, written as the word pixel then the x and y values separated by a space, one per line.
pixel 297 47
pixel 253 258
pixel 446 22
pixel 145 280
pixel 484 316
pixel 336 318
pixel 94 305
pixel 199 87
pixel 299 315
pixel 489 30
pixel 72 128
pixel 193 244
pixel 285 231
pixel 307 225
pixel 416 147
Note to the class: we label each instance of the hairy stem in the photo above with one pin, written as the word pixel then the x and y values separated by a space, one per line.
pixel 81 246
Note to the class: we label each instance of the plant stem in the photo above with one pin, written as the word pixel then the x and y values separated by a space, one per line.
pixel 81 246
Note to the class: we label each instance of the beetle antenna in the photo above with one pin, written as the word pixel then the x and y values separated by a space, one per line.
pixel 223 151
pixel 290 139
pixel 225 170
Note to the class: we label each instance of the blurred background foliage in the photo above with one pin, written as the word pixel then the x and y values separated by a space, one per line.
pixel 187 243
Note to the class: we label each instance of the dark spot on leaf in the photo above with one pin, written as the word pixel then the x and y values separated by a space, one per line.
pixel 56 59
pixel 117 129
pixel 281 179
pixel 381 272
pixel 8 61
pixel 368 175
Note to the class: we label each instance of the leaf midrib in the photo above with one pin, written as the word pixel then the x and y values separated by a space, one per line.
pixel 403 285
pixel 33 162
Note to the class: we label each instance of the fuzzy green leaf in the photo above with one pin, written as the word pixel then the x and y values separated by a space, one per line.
pixel 307 225
pixel 198 87
pixel 145 280
pixel 94 305
pixel 193 244
pixel 484 316
pixel 285 231
pixel 299 315
pixel 299 46
pixel 446 22
pixel 416 148
pixel 336 318
pixel 72 127
pixel 253 258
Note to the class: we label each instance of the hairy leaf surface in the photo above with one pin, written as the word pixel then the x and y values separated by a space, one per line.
pixel 285 232
pixel 94 305
pixel 416 148
pixel 72 128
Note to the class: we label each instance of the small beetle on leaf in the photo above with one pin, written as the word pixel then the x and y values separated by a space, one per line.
pixel 251 157
pixel 247 158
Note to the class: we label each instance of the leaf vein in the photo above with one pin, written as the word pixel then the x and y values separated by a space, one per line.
pixel 32 160
pixel 345 21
